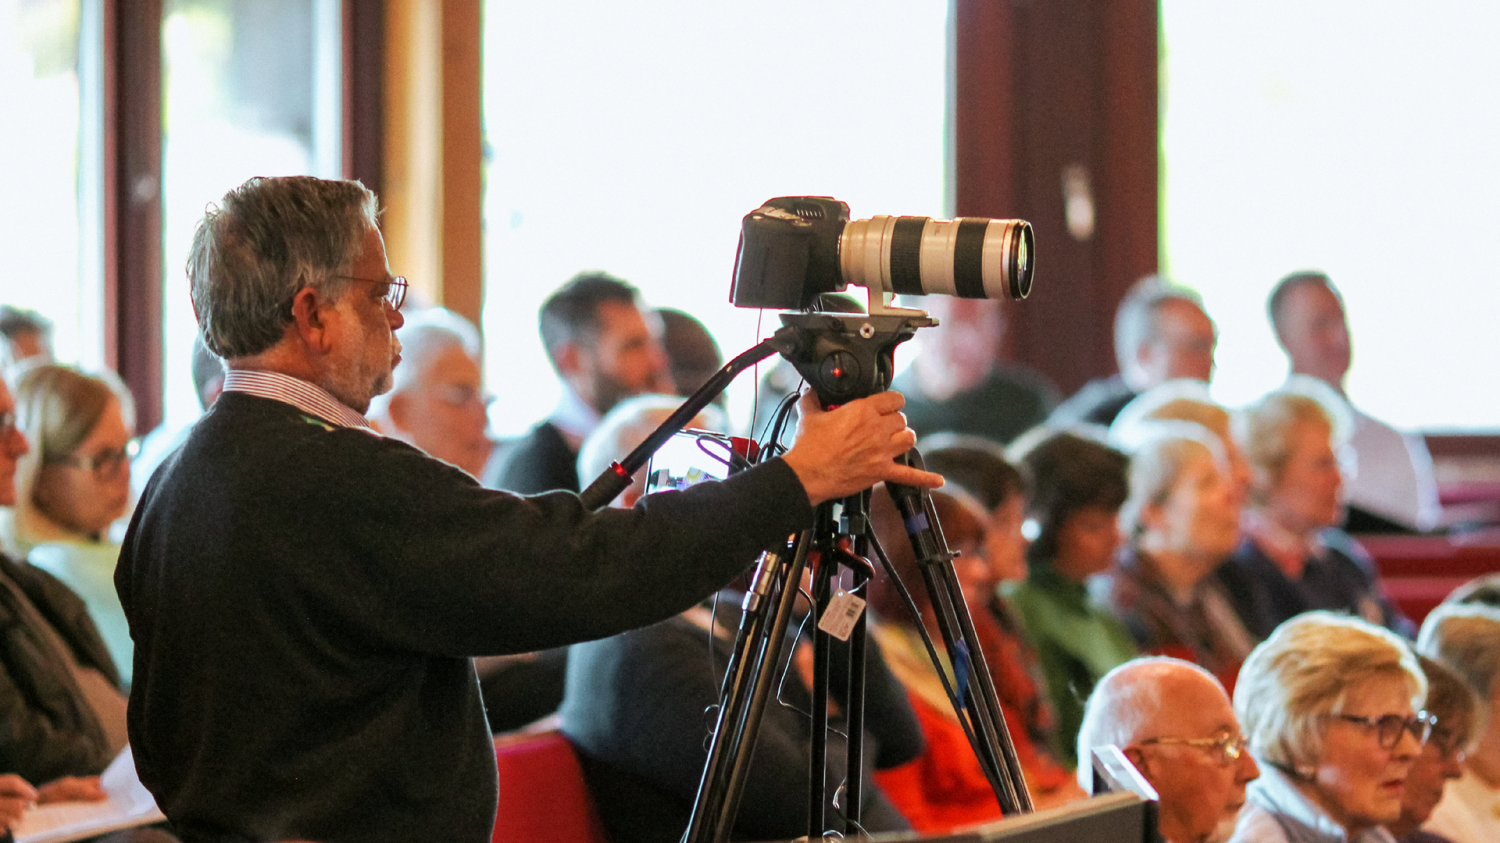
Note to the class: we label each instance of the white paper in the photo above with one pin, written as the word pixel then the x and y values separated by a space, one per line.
pixel 129 804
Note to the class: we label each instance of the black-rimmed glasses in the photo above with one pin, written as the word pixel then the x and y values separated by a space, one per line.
pixel 1447 742
pixel 1229 747
pixel 1388 728
pixel 395 294
pixel 105 465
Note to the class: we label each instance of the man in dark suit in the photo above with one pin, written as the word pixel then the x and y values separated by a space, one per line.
pixel 604 348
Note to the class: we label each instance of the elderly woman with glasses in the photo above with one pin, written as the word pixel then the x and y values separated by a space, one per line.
pixel 1466 638
pixel 72 486
pixel 1331 706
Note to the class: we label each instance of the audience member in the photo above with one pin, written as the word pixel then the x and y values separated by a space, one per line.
pixel 946 788
pixel 1293 557
pixel 692 353
pixel 1185 400
pixel 72 486
pixel 26 335
pixel 1173 721
pixel 640 706
pixel 1329 704
pixel 1182 521
pixel 306 597
pixel 1078 488
pixel 437 401
pixel 60 697
pixel 604 349
pixel 957 381
pixel 156 446
pixel 1454 708
pixel 1392 482
pixel 1161 333
pixel 1466 638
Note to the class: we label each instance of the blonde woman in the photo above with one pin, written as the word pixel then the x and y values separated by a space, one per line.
pixel 1331 707
pixel 72 486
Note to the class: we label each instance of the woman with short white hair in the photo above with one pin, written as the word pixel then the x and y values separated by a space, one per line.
pixel 1330 707
pixel 1466 638
pixel 1181 521
pixel 1294 558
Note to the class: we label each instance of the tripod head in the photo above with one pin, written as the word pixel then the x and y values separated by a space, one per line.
pixel 846 356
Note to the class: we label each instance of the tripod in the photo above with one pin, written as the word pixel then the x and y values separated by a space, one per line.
pixel 843 357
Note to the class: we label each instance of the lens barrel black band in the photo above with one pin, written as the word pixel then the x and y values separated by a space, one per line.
pixel 968 258
pixel 906 256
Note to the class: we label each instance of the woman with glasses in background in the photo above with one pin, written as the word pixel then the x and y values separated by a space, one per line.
pixel 1466 638
pixel 72 486
pixel 1331 706
pixel 1454 707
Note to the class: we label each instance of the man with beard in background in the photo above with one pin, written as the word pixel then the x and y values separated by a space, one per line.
pixel 604 348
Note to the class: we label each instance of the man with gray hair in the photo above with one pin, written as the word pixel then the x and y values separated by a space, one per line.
pixel 437 401
pixel 1174 722
pixel 1161 333
pixel 305 596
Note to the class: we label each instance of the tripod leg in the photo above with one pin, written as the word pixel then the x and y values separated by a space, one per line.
pixel 737 697
pixel 817 784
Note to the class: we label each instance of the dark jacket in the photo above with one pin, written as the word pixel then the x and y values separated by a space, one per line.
pixel 304 601
pixel 47 729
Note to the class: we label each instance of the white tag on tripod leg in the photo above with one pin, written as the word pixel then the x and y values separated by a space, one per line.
pixel 842 614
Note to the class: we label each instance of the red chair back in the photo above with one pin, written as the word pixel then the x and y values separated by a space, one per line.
pixel 543 795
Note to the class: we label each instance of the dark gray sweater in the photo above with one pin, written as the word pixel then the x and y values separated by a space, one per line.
pixel 303 601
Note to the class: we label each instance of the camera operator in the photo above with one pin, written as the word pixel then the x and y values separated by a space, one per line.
pixel 305 595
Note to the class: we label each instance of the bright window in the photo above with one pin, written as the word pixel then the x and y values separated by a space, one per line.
pixel 249 88
pixel 633 137
pixel 1355 138
pixel 49 197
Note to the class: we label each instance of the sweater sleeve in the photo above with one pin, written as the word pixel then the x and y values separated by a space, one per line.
pixel 425 557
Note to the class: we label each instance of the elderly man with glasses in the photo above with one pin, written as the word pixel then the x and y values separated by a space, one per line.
pixel 305 595
pixel 1174 722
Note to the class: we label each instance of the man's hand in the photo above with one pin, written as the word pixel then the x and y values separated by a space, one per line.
pixel 847 450
pixel 15 797
pixel 72 789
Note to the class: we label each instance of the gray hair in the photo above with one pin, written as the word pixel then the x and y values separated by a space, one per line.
pixel 1307 669
pixel 268 239
pixel 1123 706
pixel 1181 399
pixel 1137 320
pixel 1466 638
pixel 627 425
pixel 426 333
pixel 1163 450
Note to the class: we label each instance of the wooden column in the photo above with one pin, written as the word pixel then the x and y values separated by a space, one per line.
pixel 132 202
pixel 364 91
pixel 1056 117
pixel 433 149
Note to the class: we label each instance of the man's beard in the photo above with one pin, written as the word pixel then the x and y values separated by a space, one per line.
pixel 609 391
pixel 355 381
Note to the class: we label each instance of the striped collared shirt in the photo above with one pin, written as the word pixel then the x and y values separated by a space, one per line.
pixel 307 397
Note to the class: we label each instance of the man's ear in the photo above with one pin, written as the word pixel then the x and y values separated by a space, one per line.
pixel 569 359
pixel 310 318
pixel 1138 758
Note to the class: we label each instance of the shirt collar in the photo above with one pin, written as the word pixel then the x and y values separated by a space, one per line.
pixel 572 416
pixel 1280 544
pixel 307 397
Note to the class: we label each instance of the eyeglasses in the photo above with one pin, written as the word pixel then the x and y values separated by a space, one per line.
pixel 1388 728
pixel 462 396
pixel 1229 747
pixel 105 465
pixel 1446 741
pixel 395 294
